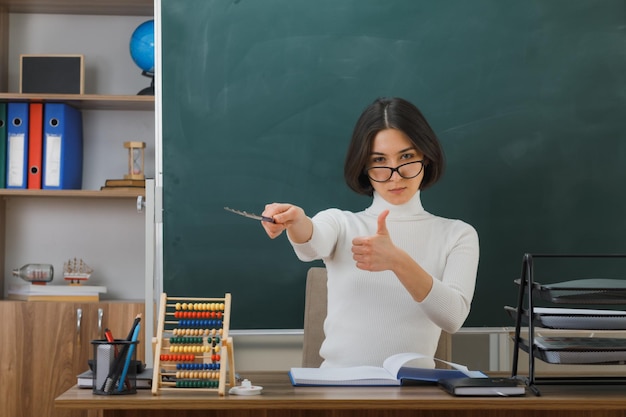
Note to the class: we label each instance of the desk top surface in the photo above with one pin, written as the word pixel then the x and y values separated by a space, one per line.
pixel 278 393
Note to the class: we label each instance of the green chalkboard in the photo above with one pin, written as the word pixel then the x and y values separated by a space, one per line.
pixel 260 98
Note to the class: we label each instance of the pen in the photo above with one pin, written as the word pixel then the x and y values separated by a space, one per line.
pixel 129 355
pixel 109 337
pixel 250 215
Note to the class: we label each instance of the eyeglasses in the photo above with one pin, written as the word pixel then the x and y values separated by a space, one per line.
pixel 406 171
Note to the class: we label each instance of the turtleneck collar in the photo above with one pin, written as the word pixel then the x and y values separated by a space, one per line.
pixel 411 210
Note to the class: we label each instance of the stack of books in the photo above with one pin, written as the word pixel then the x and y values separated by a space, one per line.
pixel 124 185
pixel 78 293
pixel 144 379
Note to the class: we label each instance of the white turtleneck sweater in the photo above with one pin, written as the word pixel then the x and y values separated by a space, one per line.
pixel 370 314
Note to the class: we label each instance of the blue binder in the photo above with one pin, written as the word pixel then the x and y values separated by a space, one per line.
pixel 3 145
pixel 62 147
pixel 17 145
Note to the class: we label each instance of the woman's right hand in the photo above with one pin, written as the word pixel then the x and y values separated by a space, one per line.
pixel 288 217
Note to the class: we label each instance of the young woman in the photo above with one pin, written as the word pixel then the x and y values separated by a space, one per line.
pixel 397 275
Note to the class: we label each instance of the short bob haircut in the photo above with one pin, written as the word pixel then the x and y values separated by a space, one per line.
pixel 391 113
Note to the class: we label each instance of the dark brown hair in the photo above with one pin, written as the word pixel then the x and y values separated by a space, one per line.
pixel 391 113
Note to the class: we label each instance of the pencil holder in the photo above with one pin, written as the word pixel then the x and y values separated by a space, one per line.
pixel 114 367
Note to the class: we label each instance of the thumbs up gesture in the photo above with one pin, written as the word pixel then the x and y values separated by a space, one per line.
pixel 375 253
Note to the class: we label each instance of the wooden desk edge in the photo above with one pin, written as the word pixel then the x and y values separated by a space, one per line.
pixel 278 394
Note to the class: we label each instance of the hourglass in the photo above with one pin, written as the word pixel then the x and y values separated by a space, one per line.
pixel 135 160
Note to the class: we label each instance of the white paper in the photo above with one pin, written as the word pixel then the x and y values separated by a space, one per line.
pixel 52 163
pixel 579 318
pixel 16 176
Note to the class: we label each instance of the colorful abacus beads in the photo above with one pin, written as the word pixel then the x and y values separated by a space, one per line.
pixel 197 383
pixel 197 374
pixel 186 340
pixel 200 306
pixel 210 323
pixel 191 348
pixel 197 332
pixel 198 314
pixel 198 366
pixel 177 358
pixel 195 343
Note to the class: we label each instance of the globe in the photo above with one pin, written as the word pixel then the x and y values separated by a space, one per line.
pixel 142 52
pixel 142 46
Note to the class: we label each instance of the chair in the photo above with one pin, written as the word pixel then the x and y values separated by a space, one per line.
pixel 315 313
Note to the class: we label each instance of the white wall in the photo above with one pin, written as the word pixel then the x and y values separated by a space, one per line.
pixel 103 40
pixel 273 350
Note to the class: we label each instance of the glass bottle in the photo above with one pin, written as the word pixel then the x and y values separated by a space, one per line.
pixel 35 273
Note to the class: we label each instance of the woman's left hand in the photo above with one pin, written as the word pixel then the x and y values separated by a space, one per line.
pixel 375 253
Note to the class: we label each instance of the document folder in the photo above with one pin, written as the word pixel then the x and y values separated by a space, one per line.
pixel 17 144
pixel 62 147
pixel 35 146
pixel 3 145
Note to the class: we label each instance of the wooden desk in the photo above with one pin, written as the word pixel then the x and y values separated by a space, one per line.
pixel 280 399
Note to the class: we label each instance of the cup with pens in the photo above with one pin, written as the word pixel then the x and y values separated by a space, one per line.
pixel 114 363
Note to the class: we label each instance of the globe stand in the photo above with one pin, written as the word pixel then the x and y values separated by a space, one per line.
pixel 148 91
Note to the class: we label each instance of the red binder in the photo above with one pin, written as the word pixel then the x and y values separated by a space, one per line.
pixel 35 145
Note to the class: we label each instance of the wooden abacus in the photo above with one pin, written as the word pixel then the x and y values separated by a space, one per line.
pixel 192 348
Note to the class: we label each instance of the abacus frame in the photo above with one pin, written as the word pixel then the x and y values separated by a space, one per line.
pixel 161 344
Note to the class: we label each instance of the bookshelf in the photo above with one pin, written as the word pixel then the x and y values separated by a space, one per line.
pixel 88 101
pixel 107 103
pixel 102 227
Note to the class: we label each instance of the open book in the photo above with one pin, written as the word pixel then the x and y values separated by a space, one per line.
pixel 392 373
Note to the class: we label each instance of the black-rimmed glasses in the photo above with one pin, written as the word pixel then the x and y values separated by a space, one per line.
pixel 406 171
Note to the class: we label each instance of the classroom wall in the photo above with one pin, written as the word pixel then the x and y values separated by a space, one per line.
pixel 485 349
pixel 107 71
pixel 256 351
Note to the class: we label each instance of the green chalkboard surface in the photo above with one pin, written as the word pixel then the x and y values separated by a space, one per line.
pixel 260 98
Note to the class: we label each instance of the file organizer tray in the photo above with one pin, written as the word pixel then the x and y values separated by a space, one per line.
pixel 569 318
pixel 565 349
pixel 579 350
pixel 583 291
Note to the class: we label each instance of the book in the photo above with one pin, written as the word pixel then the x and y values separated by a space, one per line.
pixel 144 379
pixel 485 387
pixel 35 146
pixel 119 188
pixel 72 298
pixel 17 145
pixel 62 147
pixel 30 292
pixel 125 183
pixel 393 373
pixel 3 144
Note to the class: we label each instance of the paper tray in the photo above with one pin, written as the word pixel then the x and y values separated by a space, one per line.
pixel 579 350
pixel 583 291
pixel 573 318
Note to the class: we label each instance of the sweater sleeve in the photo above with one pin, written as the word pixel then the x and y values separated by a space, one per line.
pixel 449 301
pixel 324 237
